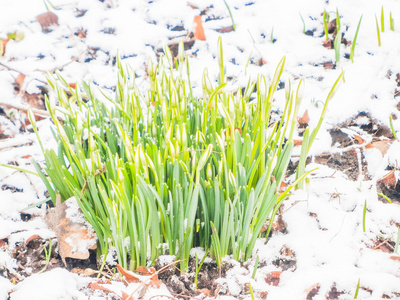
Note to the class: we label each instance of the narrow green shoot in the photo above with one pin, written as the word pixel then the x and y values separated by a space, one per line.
pixel 385 197
pixel 230 14
pixel 391 22
pixel 357 289
pixel 253 275
pixel 47 254
pixel 378 32
pixel 338 27
pixel 353 45
pixel 326 21
pixel 364 214
pixel 382 20
pixel 251 291
pixel 396 246
pixel 308 139
pixel 338 37
pixel 198 268
pixel 304 24
pixel 392 127
pixel 19 169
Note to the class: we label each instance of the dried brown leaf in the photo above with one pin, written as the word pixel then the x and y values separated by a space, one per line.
pixel 297 142
pixel 328 44
pixel 273 278
pixel 19 81
pixel 33 237
pixel 192 5
pixel 129 276
pixel 225 29
pixel 34 100
pixel 329 65
pixel 389 180
pixel 148 276
pixel 359 139
pixel 312 291
pixel 396 258
pixel 204 291
pixel 304 120
pixel 75 237
pixel 47 20
pixel 382 146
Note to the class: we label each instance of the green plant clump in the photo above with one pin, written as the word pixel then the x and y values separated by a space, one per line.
pixel 162 172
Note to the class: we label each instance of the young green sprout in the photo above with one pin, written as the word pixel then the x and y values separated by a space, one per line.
pixel 304 24
pixel 392 127
pixel 230 14
pixel 326 21
pixel 357 289
pixel 353 45
pixel 338 37
pixel 391 22
pixel 378 31
pixel 364 215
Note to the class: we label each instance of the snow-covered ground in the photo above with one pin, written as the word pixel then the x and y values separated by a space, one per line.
pixel 324 234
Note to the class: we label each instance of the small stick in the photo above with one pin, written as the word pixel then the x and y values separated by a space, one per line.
pixel 9 143
pixel 25 108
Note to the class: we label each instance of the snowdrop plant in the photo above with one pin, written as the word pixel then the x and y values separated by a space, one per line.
pixel 161 171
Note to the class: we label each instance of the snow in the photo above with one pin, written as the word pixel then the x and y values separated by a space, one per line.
pixel 55 284
pixel 331 248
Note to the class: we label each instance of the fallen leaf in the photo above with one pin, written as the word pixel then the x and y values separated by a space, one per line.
pixel 397 258
pixel 19 81
pixel 129 276
pixel 279 225
pixel 332 26
pixel 359 139
pixel 204 291
pixel 192 5
pixel 312 291
pixel 26 156
pixel 33 237
pixel 125 296
pixel 34 100
pixel 383 146
pixel 273 278
pixel 47 20
pixel 389 180
pixel 75 236
pixel 297 142
pixel 260 62
pixel 198 29
pixel 95 286
pixel 225 29
pixel 3 46
pixel 81 33
pixel 329 65
pixel 3 243
pixel 148 276
pixel 86 272
pixel 327 44
pixel 303 121
pixel 174 46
